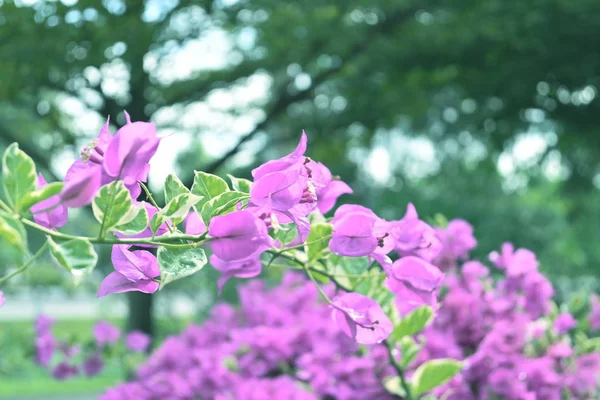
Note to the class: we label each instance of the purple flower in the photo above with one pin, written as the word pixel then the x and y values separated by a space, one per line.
pixel 2 300
pixel 414 281
pixel 290 161
pixel 327 188
pixel 361 318
pixel 49 213
pixel 564 323
pixel 137 341
pixel 105 333
pixel 135 271
pixel 516 263
pixel 45 345
pixel 358 232
pixel 238 235
pixel 594 317
pixel 414 237
pixel 64 371
pixel 93 364
pixel 43 324
pixel 194 224
pixel 245 268
pixel 457 240
pixel 560 350
pixel 124 156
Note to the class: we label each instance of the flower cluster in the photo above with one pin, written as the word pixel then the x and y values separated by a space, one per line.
pixel 67 359
pixel 514 345
pixel 280 344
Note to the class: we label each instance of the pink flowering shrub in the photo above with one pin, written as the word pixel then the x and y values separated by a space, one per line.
pixel 380 283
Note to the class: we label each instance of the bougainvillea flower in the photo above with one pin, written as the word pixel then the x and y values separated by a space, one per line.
pixel 361 318
pixel 594 317
pixel 43 324
pixel 137 341
pixel 285 189
pixel 134 271
pixel 353 236
pixel 415 237
pixel 93 364
pixel 246 268
pixel 292 160
pixel 2 300
pixel 45 345
pixel 457 240
pixel 515 263
pixel 194 224
pixel 237 235
pixel 64 371
pixel 414 281
pixel 327 188
pixel 147 233
pixel 124 156
pixel 358 232
pixel 105 333
pixel 564 323
pixel 49 213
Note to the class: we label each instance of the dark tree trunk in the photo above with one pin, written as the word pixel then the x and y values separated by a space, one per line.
pixel 140 312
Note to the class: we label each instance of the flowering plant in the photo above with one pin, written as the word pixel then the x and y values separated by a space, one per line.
pixel 380 279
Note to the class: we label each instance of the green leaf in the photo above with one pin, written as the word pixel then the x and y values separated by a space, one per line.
pixel 13 232
pixel 317 242
pixel 434 373
pixel 177 263
pixel 18 175
pixel 42 194
pixel 156 222
pixel 394 386
pixel 174 187
pixel 221 204
pixel 286 233
pixel 353 266
pixel 412 323
pixel 137 224
pixel 208 186
pixel 240 184
pixel 76 255
pixel 113 206
pixel 179 207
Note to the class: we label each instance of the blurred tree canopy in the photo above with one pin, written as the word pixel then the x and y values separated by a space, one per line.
pixel 444 97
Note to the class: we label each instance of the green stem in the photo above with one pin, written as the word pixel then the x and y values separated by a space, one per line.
pixel 157 241
pixel 327 237
pixel 153 202
pixel 26 264
pixel 4 206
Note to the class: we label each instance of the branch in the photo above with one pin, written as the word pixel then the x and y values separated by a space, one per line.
pixel 284 100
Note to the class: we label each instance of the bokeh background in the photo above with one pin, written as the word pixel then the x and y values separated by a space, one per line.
pixel 485 110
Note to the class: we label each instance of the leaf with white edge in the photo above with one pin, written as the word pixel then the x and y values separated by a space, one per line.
pixel 177 263
pixel 18 176
pixel 174 187
pixel 394 386
pixel 76 255
pixel 413 323
pixel 208 186
pixel 222 204
pixel 138 224
pixel 113 206
pixel 12 232
pixel 317 242
pixel 240 184
pixel 156 222
pixel 285 234
pixel 179 207
pixel 32 198
pixel 434 373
